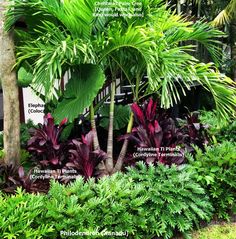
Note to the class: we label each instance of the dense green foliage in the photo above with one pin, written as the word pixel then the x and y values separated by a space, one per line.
pixel 121 116
pixel 65 35
pixel 175 200
pixel 22 216
pixel 215 170
pixel 219 130
pixel 25 132
pixel 145 202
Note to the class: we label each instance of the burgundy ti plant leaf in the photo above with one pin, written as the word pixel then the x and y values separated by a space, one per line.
pixel 156 137
pixel 13 176
pixel 83 158
pixel 154 134
pixel 44 143
pixel 194 132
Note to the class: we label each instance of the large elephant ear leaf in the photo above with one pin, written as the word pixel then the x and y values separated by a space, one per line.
pixel 81 89
pixel 25 76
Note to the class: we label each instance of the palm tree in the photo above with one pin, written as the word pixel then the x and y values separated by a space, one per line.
pixel 64 36
pixel 228 16
pixel 10 93
pixel 222 14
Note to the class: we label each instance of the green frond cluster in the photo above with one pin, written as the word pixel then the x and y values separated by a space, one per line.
pixel 226 15
pixel 215 170
pixel 145 202
pixel 175 201
pixel 64 34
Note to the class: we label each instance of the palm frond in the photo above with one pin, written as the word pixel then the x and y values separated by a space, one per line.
pixel 226 15
pixel 53 53
pixel 222 88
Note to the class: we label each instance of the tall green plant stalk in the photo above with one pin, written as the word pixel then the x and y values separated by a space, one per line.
pixel 109 161
pixel 94 129
pixel 124 148
pixel 123 151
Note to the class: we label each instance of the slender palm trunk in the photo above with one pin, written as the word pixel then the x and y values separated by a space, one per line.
pixel 109 161
pixel 120 160
pixel 199 6
pixel 123 151
pixel 94 129
pixel 101 168
pixel 178 6
pixel 10 94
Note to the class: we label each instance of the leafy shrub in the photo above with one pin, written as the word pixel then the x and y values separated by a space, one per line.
pixel 228 132
pixel 83 157
pixel 157 132
pixel 175 201
pixel 44 143
pixel 113 204
pixel 154 132
pixel 13 176
pixel 146 202
pixel 215 170
pixel 25 129
pixel 22 216
pixel 219 130
pixel 193 131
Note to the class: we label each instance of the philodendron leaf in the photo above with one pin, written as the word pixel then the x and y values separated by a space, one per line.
pixel 121 116
pixel 81 89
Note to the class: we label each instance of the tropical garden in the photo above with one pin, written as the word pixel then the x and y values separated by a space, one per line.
pixel 155 156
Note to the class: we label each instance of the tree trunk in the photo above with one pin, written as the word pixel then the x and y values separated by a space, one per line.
pixel 94 129
pixel 178 6
pixel 109 161
pixel 10 93
pixel 123 151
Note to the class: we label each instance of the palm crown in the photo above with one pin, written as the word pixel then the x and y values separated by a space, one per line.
pixel 63 35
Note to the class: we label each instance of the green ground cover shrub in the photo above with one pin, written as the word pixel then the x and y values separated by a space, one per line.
pixel 215 170
pixel 146 202
pixel 175 201
pixel 22 216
